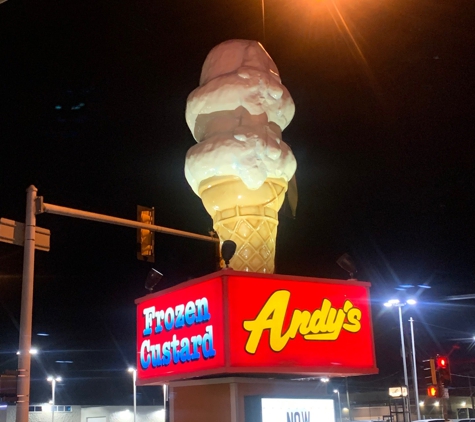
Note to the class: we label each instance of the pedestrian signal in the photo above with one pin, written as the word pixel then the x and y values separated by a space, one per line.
pixel 433 391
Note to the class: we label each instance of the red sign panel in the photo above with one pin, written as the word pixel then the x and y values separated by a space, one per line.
pixel 233 322
pixel 181 331
pixel 299 326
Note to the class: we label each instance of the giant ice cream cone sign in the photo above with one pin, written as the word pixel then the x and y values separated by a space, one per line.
pixel 240 166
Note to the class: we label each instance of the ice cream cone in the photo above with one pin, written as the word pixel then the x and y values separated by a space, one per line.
pixel 248 217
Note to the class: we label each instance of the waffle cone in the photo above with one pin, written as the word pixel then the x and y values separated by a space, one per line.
pixel 247 217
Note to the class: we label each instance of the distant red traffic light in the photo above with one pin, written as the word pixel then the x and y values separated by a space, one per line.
pixel 443 370
pixel 442 362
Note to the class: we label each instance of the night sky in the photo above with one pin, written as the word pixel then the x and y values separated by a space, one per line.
pixel 92 101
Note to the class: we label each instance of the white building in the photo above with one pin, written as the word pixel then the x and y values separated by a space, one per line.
pixel 43 413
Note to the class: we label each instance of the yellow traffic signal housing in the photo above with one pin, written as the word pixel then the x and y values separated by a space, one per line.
pixel 146 238
pixel 429 365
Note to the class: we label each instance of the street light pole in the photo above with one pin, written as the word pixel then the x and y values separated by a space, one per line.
pixel 339 403
pixel 53 380
pixel 134 377
pixel 401 329
pixel 165 401
pixel 414 370
pixel 348 398
pixel 399 305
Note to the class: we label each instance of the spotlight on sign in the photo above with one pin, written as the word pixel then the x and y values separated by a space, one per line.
pixel 227 251
pixel 153 277
pixel 347 264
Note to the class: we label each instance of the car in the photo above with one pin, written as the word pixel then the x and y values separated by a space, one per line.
pixel 431 420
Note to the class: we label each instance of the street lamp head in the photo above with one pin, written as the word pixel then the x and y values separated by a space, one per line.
pixel 398 303
pixel 392 302
pixel 131 369
pixel 324 379
pixel 335 391
pixel 33 351
pixel 51 379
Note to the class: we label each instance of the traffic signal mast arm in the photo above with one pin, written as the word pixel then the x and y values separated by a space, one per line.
pixel 86 215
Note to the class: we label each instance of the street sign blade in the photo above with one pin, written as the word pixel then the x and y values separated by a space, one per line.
pixel 14 232
pixel 42 239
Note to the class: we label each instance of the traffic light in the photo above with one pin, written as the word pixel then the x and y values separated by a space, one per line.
pixel 442 362
pixel 432 391
pixel 430 372
pixel 443 370
pixel 146 238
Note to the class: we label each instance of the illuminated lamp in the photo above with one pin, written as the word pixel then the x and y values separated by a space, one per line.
pixel 153 277
pixel 441 362
pixel 432 391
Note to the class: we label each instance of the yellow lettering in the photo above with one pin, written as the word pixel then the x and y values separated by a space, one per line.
pixel 271 317
pixel 325 323
pixel 331 326
pixel 353 316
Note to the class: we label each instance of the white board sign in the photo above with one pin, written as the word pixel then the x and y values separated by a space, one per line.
pixel 298 410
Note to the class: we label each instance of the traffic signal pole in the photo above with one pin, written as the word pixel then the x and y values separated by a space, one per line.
pixel 444 379
pixel 443 398
pixel 403 347
pixel 26 314
pixel 35 205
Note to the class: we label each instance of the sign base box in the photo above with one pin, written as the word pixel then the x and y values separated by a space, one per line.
pixel 236 399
